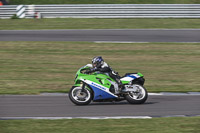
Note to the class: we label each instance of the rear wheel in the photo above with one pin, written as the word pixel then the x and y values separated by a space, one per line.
pixel 79 97
pixel 137 97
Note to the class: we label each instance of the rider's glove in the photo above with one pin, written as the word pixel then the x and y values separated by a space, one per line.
pixel 93 69
pixel 87 72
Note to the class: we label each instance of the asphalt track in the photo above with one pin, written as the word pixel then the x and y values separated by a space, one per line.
pixel 133 35
pixel 61 106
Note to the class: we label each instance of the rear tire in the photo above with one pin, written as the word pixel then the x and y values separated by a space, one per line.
pixel 78 97
pixel 138 97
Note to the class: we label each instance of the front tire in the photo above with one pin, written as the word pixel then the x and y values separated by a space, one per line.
pixel 137 97
pixel 78 97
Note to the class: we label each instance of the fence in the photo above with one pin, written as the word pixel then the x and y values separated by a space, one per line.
pixel 103 11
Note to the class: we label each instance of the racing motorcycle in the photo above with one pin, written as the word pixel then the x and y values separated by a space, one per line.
pixel 100 87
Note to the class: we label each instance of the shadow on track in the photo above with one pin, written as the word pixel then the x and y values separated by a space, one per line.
pixel 118 103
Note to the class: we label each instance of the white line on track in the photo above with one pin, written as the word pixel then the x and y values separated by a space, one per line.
pixel 117 42
pixel 151 94
pixel 94 118
pixel 137 42
pixel 174 94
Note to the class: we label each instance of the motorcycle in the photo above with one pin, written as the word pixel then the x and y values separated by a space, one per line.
pixel 100 87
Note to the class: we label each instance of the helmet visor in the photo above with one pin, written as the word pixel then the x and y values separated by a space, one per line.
pixel 94 64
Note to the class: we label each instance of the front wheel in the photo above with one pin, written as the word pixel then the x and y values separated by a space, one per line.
pixel 79 97
pixel 137 97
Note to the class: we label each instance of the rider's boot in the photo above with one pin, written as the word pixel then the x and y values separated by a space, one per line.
pixel 120 85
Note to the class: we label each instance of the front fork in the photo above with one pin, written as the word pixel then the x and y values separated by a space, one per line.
pixel 83 86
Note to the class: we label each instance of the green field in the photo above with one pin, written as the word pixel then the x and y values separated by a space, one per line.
pixel 35 67
pixel 104 2
pixel 155 125
pixel 93 23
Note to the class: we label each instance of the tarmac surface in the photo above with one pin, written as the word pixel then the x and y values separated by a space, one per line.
pixel 124 35
pixel 60 106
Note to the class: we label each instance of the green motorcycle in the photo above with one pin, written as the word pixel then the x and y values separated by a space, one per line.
pixel 99 87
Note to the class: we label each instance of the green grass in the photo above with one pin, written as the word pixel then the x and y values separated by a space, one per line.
pixel 35 67
pixel 155 125
pixel 104 2
pixel 93 23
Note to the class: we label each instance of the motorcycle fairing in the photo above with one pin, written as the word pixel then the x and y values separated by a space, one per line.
pixel 100 92
pixel 129 77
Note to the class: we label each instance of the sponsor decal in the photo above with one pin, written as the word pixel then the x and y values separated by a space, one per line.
pixel 98 86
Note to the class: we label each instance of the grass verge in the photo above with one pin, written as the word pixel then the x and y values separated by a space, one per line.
pixel 35 67
pixel 155 125
pixel 93 23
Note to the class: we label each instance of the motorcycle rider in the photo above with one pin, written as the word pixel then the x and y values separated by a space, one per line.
pixel 98 64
